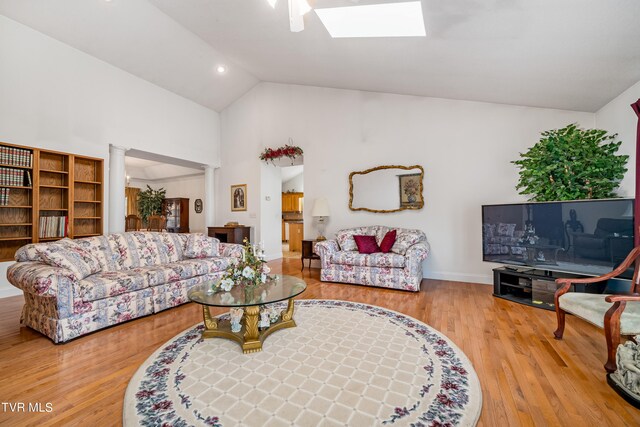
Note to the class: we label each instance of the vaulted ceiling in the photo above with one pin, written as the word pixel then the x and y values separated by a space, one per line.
pixel 567 54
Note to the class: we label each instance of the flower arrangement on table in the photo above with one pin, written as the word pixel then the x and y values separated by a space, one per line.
pixel 250 272
pixel 290 151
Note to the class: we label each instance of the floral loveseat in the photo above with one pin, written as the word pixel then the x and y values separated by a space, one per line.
pixel 399 269
pixel 73 287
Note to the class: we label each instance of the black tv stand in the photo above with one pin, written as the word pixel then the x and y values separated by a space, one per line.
pixel 535 287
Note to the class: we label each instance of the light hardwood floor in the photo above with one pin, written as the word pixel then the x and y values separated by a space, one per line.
pixel 527 377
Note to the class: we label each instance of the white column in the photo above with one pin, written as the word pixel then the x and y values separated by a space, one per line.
pixel 209 194
pixel 117 182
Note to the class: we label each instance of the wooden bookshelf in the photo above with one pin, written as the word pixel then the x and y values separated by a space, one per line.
pixel 87 196
pixel 58 185
pixel 53 192
pixel 16 199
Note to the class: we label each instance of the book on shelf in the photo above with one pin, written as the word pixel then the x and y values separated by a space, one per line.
pixel 15 177
pixel 53 226
pixel 4 196
pixel 12 156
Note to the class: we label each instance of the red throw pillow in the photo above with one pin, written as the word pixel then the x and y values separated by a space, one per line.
pixel 366 244
pixel 388 241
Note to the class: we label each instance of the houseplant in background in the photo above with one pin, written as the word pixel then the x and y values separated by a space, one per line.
pixel 571 164
pixel 150 202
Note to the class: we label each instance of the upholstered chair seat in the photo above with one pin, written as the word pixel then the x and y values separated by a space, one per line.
pixel 593 307
pixel 616 314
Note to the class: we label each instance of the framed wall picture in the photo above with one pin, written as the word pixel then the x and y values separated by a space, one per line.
pixel 239 197
pixel 410 190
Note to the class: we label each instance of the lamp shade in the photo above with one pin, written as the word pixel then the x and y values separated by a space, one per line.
pixel 320 207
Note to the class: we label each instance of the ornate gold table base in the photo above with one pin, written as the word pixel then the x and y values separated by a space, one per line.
pixel 250 337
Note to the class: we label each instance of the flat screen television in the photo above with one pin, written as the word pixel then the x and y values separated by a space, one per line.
pixel 588 237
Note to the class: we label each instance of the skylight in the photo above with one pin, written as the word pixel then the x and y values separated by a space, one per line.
pixel 376 20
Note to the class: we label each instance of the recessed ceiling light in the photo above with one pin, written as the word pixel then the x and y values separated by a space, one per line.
pixel 376 20
pixel 221 69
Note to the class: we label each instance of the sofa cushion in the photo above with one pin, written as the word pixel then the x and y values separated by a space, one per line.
pixel 30 252
pixel 172 245
pixel 387 241
pixel 366 244
pixel 110 283
pixel 186 269
pixel 345 237
pixel 144 249
pixel 67 254
pixel 368 260
pixel 406 239
pixel 201 246
pixel 99 247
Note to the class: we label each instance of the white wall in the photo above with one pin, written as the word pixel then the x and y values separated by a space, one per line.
pixel 56 97
pixel 270 211
pixel 240 129
pixel 465 148
pixel 295 184
pixel 618 117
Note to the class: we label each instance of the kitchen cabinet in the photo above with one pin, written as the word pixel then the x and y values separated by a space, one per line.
pixel 296 234
pixel 292 202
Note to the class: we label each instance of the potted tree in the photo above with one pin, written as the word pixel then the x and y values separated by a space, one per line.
pixel 150 202
pixel 571 164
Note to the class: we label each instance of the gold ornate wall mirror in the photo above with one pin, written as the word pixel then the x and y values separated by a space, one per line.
pixel 386 189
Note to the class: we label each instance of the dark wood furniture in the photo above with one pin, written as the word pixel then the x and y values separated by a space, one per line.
pixel 535 287
pixel 156 223
pixel 132 223
pixel 47 195
pixel 308 253
pixel 177 212
pixel 231 234
pixel 612 316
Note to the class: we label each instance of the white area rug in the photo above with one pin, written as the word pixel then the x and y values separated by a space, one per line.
pixel 344 364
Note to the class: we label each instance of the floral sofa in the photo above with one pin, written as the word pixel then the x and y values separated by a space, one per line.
pixel 399 269
pixel 73 287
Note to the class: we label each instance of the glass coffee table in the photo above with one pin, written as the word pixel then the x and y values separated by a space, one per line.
pixel 277 288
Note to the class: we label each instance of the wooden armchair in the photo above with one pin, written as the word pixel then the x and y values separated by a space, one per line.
pixel 156 223
pixel 603 310
pixel 132 223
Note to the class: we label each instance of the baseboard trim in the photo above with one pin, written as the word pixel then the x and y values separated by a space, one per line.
pixel 10 292
pixel 484 279
pixel 273 255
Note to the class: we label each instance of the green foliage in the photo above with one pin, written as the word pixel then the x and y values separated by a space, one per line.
pixel 571 164
pixel 150 202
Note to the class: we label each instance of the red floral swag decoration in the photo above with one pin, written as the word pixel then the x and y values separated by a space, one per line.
pixel 290 151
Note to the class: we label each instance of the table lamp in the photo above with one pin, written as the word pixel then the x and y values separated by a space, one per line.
pixel 321 211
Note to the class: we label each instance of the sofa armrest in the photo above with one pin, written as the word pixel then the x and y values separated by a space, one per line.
pixel 415 255
pixel 40 279
pixel 324 249
pixel 232 250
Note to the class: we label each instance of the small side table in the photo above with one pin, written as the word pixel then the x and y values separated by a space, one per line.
pixel 307 252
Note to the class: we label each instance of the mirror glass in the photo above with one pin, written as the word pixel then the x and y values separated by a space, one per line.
pixel 386 189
